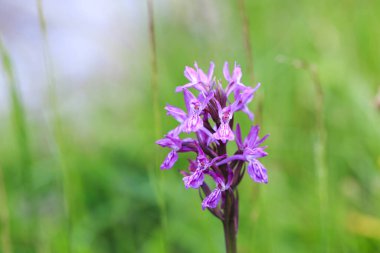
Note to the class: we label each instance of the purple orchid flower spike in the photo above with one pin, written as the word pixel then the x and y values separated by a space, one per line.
pixel 195 107
pixel 213 199
pixel 198 79
pixel 224 132
pixel 209 115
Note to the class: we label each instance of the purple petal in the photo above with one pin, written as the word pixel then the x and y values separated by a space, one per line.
pixel 195 180
pixel 165 143
pixel 192 166
pixel 239 141
pixel 226 72
pixel 212 200
pixel 188 145
pixel 184 173
pixel 230 88
pixel 205 98
pixel 247 95
pixel 202 77
pixel 213 161
pixel 188 96
pixel 224 133
pixel 243 95
pixel 191 74
pixel 219 180
pixel 232 158
pixel 252 136
pixel 248 112
pixel 230 178
pixel 201 154
pixel 254 153
pixel 257 172
pixel 183 87
pixel 171 140
pixel 169 160
pixel 210 71
pixel 219 106
pixel 259 142
pixel 256 87
pixel 192 124
pixel 236 76
pixel 176 113
pixel 175 132
pixel 205 136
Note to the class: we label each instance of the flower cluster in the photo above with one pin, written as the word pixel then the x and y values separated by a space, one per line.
pixel 210 115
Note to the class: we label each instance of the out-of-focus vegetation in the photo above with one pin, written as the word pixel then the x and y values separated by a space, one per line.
pixel 79 171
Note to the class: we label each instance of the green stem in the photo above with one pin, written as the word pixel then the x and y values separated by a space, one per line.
pixel 228 223
pixel 157 181
pixel 20 127
pixel 59 140
pixel 5 234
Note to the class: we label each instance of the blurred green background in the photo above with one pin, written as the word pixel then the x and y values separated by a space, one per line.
pixel 79 170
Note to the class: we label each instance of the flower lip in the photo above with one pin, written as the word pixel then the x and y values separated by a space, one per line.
pixel 257 172
pixel 224 131
pixel 170 160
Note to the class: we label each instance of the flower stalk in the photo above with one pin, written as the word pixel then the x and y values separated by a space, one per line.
pixel 229 222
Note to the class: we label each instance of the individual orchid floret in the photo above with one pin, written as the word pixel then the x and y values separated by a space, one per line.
pixel 253 140
pixel 234 81
pixel 213 199
pixel 252 152
pixel 242 93
pixel 195 106
pixel 224 132
pixel 172 141
pixel 196 179
pixel 243 97
pixel 198 79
